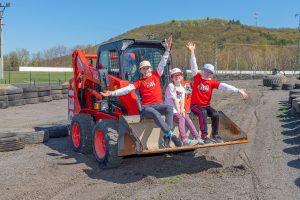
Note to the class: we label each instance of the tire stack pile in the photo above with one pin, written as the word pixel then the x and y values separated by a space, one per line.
pixel 56 92
pixel 14 139
pixel 14 96
pixel 44 94
pixel 30 95
pixel 274 81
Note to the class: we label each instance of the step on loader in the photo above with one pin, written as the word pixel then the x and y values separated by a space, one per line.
pixel 112 127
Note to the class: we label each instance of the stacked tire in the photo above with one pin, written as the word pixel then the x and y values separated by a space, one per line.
pixel 3 99
pixel 15 96
pixel 296 104
pixel 297 86
pixel 287 86
pixel 30 95
pixel 270 79
pixel 65 90
pixel 276 86
pixel 293 94
pixel 56 92
pixel 11 142
pixel 44 94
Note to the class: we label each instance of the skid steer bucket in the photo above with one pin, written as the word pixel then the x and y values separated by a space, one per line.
pixel 145 137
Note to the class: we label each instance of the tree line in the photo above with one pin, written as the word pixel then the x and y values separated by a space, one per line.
pixel 224 56
pixel 55 56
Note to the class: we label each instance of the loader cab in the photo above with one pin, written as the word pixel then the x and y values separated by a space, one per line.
pixel 122 58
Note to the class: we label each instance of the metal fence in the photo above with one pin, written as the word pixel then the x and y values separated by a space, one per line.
pixel 17 77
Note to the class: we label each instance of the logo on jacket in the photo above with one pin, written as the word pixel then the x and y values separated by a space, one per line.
pixel 204 88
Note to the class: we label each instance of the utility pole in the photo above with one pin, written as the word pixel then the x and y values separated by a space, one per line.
pixel 297 51
pixel 255 18
pixel 2 8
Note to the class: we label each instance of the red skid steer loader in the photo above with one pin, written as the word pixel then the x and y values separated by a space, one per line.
pixel 111 127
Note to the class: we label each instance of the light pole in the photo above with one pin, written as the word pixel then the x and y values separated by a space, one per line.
pixel 2 8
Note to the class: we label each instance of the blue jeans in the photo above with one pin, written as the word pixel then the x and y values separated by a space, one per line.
pixel 155 111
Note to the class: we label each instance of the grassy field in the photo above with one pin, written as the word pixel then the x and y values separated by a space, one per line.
pixel 37 77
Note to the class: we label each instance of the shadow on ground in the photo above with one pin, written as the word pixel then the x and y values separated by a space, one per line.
pixel 133 168
pixel 291 122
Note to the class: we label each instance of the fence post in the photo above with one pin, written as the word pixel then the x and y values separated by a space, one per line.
pixel 30 78
pixel 8 77
pixel 49 78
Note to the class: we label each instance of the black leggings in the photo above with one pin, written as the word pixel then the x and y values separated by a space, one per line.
pixel 203 113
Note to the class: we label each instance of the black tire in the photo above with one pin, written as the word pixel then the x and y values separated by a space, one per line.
pixel 65 85
pixel 13 90
pixel 106 131
pixel 7 134
pixel 45 99
pixel 53 92
pixel 32 101
pixel 13 97
pixel 19 102
pixel 44 93
pixel 58 131
pixel 36 137
pixel 4 104
pixel 295 91
pixel 11 143
pixel 297 86
pixel 287 86
pixel 3 98
pixel 56 87
pixel 57 96
pixel 293 96
pixel 84 125
pixel 276 86
pixel 30 89
pixel 28 95
pixel 3 91
pixel 43 88
pixel 65 91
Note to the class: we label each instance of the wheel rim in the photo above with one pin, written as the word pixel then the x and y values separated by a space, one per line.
pixel 76 135
pixel 100 144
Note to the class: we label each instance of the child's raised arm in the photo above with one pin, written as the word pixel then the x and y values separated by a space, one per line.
pixel 193 63
pixel 164 59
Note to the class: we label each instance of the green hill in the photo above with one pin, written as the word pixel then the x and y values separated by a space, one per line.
pixel 238 46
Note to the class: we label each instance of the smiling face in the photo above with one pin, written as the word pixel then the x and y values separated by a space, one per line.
pixel 177 78
pixel 146 71
pixel 207 74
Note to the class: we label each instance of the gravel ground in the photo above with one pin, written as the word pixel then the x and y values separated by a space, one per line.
pixel 266 168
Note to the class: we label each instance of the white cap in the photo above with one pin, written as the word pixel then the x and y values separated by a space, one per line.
pixel 175 71
pixel 145 63
pixel 209 67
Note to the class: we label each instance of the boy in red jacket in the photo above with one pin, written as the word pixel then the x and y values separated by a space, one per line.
pixel 203 86
pixel 152 102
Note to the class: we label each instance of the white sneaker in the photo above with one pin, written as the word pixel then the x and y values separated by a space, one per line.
pixel 188 142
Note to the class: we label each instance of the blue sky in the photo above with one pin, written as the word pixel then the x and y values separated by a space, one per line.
pixel 41 24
